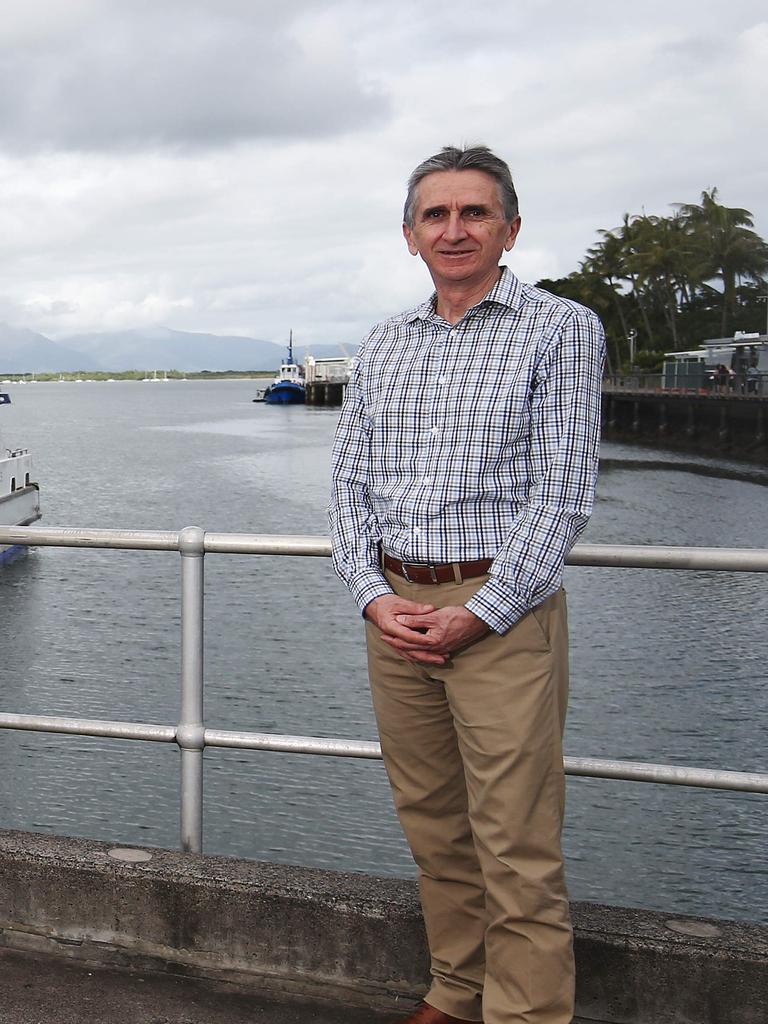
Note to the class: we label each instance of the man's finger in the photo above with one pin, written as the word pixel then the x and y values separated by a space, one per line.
pixel 393 628
pixel 403 646
pixel 417 658
pixel 415 638
pixel 413 609
pixel 421 621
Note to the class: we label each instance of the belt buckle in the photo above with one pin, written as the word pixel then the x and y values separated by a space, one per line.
pixel 418 565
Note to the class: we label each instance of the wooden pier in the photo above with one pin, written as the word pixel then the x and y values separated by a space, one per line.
pixel 325 392
pixel 724 424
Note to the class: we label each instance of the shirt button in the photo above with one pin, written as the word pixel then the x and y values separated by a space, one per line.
pixel 434 430
pixel 427 480
pixel 417 530
pixel 442 380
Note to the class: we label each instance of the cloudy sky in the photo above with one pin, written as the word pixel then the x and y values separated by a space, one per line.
pixel 238 166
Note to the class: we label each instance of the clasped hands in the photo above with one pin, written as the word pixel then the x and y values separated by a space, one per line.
pixel 422 633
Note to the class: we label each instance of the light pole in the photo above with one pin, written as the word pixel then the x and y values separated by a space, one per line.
pixel 631 336
pixel 764 298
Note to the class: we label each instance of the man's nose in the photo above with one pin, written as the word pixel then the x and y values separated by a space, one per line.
pixel 454 229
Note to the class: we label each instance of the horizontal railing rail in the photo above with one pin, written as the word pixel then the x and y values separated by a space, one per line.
pixel 190 733
pixel 587 767
pixel 621 556
pixel 753 386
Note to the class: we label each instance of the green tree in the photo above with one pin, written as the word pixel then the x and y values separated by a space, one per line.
pixel 675 279
pixel 606 261
pixel 726 248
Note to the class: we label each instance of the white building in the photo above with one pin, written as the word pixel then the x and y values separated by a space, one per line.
pixel 336 370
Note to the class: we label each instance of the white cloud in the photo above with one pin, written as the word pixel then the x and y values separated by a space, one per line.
pixel 122 76
pixel 239 166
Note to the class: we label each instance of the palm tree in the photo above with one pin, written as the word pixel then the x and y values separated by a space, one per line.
pixel 666 269
pixel 727 248
pixel 606 261
pixel 663 274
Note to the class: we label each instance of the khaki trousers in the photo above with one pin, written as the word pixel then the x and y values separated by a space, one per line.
pixel 473 750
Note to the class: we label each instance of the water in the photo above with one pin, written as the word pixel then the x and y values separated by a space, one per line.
pixel 666 666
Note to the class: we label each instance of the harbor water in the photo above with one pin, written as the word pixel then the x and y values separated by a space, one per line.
pixel 666 666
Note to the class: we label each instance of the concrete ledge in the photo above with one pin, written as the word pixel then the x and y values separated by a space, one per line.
pixel 633 968
pixel 39 989
pixel 352 937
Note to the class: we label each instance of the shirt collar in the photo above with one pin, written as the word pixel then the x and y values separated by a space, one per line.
pixel 508 291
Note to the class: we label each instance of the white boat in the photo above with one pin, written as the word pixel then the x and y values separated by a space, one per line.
pixel 19 494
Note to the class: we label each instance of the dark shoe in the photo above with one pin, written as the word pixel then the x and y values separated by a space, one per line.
pixel 426 1014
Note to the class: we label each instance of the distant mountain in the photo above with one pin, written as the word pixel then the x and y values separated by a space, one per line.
pixel 25 351
pixel 151 348
pixel 148 348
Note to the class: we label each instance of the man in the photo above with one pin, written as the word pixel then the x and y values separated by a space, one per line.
pixel 464 469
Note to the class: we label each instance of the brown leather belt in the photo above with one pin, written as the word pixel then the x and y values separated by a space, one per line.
pixel 424 573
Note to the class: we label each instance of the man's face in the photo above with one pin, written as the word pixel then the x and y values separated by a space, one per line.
pixel 459 228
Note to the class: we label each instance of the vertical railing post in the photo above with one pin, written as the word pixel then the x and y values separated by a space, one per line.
pixel 190 734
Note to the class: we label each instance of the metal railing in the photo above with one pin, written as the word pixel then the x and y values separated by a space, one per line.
pixel 686 383
pixel 632 382
pixel 191 734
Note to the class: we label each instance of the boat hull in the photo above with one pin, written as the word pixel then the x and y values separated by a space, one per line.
pixel 285 393
pixel 21 508
pixel 12 553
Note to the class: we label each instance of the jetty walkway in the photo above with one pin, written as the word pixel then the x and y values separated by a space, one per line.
pixel 45 990
pixel 173 938
pixel 38 989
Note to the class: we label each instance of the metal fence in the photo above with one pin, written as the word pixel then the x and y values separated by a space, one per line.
pixel 686 380
pixel 632 382
pixel 191 734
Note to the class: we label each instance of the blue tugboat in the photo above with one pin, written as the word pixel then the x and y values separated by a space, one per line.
pixel 288 386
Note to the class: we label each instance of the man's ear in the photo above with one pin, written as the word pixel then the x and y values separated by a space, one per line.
pixel 413 249
pixel 514 230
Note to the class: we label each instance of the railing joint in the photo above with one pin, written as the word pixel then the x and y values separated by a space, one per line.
pixel 192 542
pixel 191 737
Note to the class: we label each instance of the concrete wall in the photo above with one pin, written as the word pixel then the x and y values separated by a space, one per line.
pixel 349 936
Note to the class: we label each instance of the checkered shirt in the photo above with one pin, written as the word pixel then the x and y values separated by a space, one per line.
pixel 469 441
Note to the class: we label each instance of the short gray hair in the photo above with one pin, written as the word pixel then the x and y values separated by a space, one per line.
pixel 470 158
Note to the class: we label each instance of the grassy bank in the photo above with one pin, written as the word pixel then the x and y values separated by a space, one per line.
pixel 140 375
